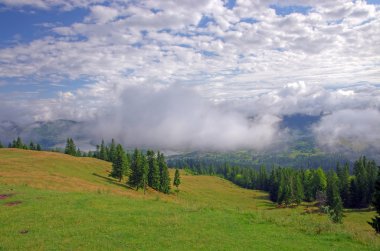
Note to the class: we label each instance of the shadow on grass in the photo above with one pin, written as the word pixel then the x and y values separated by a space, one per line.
pixel 359 210
pixel 112 181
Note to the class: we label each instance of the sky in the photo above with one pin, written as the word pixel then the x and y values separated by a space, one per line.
pixel 194 74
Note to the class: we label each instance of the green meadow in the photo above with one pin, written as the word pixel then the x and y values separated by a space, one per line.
pixel 52 201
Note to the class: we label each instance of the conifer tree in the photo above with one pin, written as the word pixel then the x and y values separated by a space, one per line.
pixel 177 179
pixel 334 202
pixel 38 147
pixel 103 151
pixel 70 148
pixel 375 223
pixel 32 146
pixel 274 181
pixel 144 170
pixel 344 183
pixel 120 164
pixel 164 173
pixel 154 171
pixel 112 151
pixel 1 145
pixel 298 189
pixel 136 174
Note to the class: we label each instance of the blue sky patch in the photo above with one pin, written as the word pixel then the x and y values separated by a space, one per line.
pixel 286 10
pixel 23 27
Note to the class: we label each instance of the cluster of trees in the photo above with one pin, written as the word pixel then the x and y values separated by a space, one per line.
pixel 71 148
pixel 18 143
pixel 142 170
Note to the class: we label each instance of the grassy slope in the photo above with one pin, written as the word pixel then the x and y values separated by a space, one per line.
pixel 69 203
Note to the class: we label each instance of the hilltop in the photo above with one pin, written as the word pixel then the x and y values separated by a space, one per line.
pixel 56 201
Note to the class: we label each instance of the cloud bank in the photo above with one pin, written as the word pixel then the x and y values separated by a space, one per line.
pixel 180 119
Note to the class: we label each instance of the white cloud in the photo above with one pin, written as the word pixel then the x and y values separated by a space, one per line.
pixel 348 130
pixel 240 65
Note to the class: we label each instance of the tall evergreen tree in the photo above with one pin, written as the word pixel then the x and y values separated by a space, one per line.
pixel 298 189
pixel 144 170
pixel 375 223
pixel 38 147
pixel 362 186
pixel 136 174
pixel 334 201
pixel 154 171
pixel 112 151
pixel 32 146
pixel 120 164
pixel 103 151
pixel 1 145
pixel 177 179
pixel 70 147
pixel 164 173
pixel 344 183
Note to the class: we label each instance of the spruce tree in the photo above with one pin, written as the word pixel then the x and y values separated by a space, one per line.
pixel 1 145
pixel 164 174
pixel 177 179
pixel 120 164
pixel 112 151
pixel 32 146
pixel 334 202
pixel 103 151
pixel 70 147
pixel 298 189
pixel 344 183
pixel 144 170
pixel 38 147
pixel 136 174
pixel 375 223
pixel 154 171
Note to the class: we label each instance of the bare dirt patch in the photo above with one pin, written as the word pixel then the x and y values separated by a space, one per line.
pixel 12 203
pixel 5 196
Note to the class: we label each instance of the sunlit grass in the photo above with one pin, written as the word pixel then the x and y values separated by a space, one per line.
pixel 65 206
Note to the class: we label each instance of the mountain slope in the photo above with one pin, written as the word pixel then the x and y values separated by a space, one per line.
pixel 54 201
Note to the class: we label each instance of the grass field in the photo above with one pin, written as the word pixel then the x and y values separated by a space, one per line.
pixel 59 202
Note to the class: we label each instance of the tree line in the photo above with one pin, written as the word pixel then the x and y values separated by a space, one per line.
pixel 18 143
pixel 334 190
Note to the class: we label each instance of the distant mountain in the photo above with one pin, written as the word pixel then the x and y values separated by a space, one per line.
pixel 49 134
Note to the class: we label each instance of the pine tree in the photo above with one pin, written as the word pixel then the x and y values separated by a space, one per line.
pixel 144 170
pixel 32 146
pixel 120 164
pixel 298 189
pixel 164 174
pixel 154 171
pixel 1 145
pixel 360 188
pixel 136 175
pixel 334 201
pixel 177 179
pixel 78 153
pixel 38 147
pixel 103 152
pixel 319 182
pixel 112 151
pixel 375 223
pixel 70 148
pixel 344 183
pixel 274 181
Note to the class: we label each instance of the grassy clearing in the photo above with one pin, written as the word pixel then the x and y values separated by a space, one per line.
pixel 81 211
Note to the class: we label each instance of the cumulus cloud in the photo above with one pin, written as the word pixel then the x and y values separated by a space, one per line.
pixel 245 61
